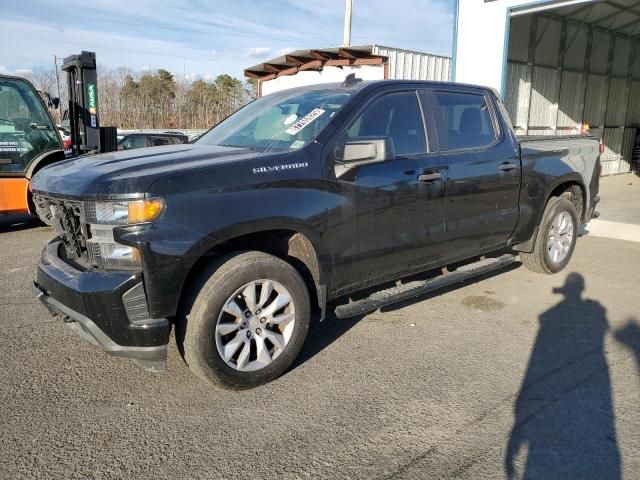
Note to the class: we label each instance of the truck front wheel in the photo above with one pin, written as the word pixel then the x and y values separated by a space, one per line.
pixel 556 238
pixel 248 321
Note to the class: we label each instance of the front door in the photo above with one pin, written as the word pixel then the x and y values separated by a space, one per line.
pixel 391 217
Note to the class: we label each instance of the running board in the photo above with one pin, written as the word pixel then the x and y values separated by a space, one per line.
pixel 413 289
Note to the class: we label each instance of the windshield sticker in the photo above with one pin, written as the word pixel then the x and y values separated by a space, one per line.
pixel 14 147
pixel 290 119
pixel 304 121
pixel 297 144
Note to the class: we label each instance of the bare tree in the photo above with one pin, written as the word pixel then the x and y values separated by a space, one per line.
pixel 131 99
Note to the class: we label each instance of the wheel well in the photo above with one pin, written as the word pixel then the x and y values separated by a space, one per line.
pixel 571 190
pixel 35 168
pixel 574 192
pixel 291 246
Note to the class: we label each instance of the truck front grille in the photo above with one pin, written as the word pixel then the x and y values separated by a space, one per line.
pixel 66 217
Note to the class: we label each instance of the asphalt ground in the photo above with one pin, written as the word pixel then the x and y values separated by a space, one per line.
pixel 517 374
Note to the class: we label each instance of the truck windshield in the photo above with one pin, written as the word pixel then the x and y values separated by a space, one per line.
pixel 281 121
pixel 26 130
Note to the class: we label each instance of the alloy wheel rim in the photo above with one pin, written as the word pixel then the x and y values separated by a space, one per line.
pixel 255 325
pixel 560 237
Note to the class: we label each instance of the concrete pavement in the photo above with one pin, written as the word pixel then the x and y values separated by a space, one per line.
pixel 524 373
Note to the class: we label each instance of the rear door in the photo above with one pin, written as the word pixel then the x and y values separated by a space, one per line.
pixel 482 170
pixel 391 220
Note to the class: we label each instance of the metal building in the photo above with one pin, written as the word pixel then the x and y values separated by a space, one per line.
pixel 369 62
pixel 558 64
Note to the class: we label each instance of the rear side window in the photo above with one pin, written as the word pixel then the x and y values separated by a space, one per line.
pixel 160 141
pixel 464 121
pixel 395 115
pixel 135 141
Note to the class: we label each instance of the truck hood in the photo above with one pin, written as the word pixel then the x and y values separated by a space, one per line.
pixel 129 172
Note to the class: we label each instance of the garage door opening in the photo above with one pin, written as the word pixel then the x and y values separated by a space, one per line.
pixel 576 65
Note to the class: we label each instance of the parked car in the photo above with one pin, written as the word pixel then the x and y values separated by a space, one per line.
pixel 65 135
pixel 142 140
pixel 299 198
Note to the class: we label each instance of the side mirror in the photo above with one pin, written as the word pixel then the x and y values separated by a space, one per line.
pixel 367 150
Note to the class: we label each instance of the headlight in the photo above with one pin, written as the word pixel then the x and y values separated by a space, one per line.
pixel 102 249
pixel 105 252
pixel 123 213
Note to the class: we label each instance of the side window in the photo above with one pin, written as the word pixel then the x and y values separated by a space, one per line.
pixel 395 115
pixel 135 141
pixel 464 121
pixel 160 141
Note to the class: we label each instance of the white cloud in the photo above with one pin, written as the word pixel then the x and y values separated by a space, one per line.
pixel 284 51
pixel 258 51
pixel 212 37
pixel 18 72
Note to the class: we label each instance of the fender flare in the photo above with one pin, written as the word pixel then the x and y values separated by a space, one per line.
pixel 323 256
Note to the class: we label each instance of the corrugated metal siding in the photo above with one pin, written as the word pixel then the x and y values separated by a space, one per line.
pixel 571 104
pixel 621 59
pixel 519 38
pixel 613 144
pixel 410 65
pixel 611 158
pixel 517 96
pixel 577 49
pixel 599 52
pixel 549 43
pixel 544 100
pixel 617 104
pixel 543 97
pixel 596 101
pixel 628 143
pixel 635 72
pixel 633 108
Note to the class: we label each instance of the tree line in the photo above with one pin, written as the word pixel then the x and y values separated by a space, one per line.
pixel 131 99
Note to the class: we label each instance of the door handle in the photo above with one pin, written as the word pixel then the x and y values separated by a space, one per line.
pixel 429 177
pixel 507 167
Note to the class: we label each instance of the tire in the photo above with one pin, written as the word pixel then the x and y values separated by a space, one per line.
pixel 543 258
pixel 260 347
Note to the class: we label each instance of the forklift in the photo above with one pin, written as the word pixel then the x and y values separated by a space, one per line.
pixel 29 138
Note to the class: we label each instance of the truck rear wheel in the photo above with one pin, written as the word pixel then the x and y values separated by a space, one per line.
pixel 556 238
pixel 248 321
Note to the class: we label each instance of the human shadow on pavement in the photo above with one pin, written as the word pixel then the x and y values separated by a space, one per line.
pixel 629 335
pixel 564 423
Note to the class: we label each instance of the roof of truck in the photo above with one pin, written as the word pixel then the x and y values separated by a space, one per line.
pixel 361 84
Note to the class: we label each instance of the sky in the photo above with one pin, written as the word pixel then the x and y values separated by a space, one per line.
pixel 202 39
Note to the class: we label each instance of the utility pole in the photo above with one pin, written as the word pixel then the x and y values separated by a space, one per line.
pixel 55 66
pixel 347 23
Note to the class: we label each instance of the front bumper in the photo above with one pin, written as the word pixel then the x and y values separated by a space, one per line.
pixel 103 307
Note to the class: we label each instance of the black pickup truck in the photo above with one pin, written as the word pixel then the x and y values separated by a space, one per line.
pixel 299 198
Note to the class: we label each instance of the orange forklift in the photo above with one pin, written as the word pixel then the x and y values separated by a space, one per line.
pixel 29 138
